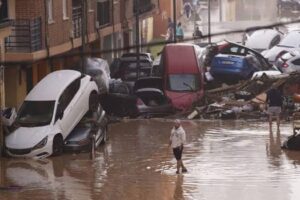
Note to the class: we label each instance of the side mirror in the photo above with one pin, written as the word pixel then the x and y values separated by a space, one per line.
pixel 59 112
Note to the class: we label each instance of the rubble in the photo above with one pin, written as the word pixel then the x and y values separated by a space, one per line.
pixel 243 100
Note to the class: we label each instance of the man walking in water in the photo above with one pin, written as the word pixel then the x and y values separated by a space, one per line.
pixel 274 101
pixel 177 141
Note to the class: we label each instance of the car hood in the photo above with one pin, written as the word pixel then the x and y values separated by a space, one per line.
pixel 26 137
pixel 79 133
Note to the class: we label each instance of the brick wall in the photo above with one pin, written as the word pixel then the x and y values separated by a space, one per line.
pixel 59 30
pixel 29 9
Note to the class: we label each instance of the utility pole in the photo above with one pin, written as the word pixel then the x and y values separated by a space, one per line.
pixel 137 32
pixel 83 34
pixel 175 20
pixel 209 23
pixel 220 10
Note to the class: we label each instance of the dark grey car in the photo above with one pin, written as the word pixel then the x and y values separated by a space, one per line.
pixel 92 128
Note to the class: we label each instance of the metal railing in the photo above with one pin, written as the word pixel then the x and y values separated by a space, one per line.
pixel 77 21
pixel 26 36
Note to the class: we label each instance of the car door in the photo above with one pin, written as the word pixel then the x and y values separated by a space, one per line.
pixel 66 114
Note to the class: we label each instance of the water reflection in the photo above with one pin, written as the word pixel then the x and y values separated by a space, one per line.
pixel 224 159
pixel 273 148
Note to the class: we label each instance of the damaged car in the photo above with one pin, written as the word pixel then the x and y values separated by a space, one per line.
pixel 151 100
pixel 91 130
pixel 49 113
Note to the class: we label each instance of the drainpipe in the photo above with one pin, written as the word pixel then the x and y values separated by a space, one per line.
pixel 47 35
pixel 209 23
pixel 137 26
pixel 113 27
pixel 83 34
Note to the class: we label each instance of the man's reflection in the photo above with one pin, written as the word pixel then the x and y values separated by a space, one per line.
pixel 274 148
pixel 178 192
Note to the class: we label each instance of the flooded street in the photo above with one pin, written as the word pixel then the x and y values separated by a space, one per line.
pixel 226 160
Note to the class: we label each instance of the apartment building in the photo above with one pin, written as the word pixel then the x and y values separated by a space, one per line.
pixel 46 35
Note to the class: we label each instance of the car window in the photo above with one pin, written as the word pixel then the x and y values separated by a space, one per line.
pixel 296 62
pixel 184 82
pixel 252 60
pixel 35 113
pixel 275 41
pixel 69 94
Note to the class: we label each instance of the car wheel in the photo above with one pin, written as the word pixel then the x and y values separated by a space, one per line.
pixel 58 144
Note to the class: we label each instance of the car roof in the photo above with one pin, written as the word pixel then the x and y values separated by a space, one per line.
pixel 261 39
pixel 52 85
pixel 291 39
pixel 174 63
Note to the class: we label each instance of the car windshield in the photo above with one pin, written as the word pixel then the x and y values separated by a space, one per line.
pixel 129 70
pixel 291 40
pixel 35 113
pixel 184 82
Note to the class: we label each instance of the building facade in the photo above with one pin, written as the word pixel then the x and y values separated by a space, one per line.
pixel 46 35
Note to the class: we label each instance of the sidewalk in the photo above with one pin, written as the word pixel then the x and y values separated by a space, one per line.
pixel 218 26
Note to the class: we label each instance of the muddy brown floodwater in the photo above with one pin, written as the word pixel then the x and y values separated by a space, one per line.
pixel 227 160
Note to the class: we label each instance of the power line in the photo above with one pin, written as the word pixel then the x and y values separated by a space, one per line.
pixel 91 52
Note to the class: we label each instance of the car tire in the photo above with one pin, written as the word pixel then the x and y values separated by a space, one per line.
pixel 58 145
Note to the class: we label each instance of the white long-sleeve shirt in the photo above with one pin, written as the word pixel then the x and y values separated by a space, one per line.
pixel 177 137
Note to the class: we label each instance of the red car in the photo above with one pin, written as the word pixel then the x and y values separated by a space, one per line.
pixel 183 81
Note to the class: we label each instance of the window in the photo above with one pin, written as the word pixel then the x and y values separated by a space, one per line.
pixel 3 10
pixel 50 10
pixel 103 10
pixel 296 62
pixel 69 94
pixel 90 5
pixel 65 9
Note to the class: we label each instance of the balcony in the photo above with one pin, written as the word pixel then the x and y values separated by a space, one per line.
pixel 4 19
pixel 26 36
pixel 77 21
pixel 144 6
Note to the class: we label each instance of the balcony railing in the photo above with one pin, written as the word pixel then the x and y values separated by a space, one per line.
pixel 144 6
pixel 26 36
pixel 77 21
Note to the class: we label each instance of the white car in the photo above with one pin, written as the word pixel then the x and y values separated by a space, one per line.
pixel 290 42
pixel 289 62
pixel 49 113
pixel 263 39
